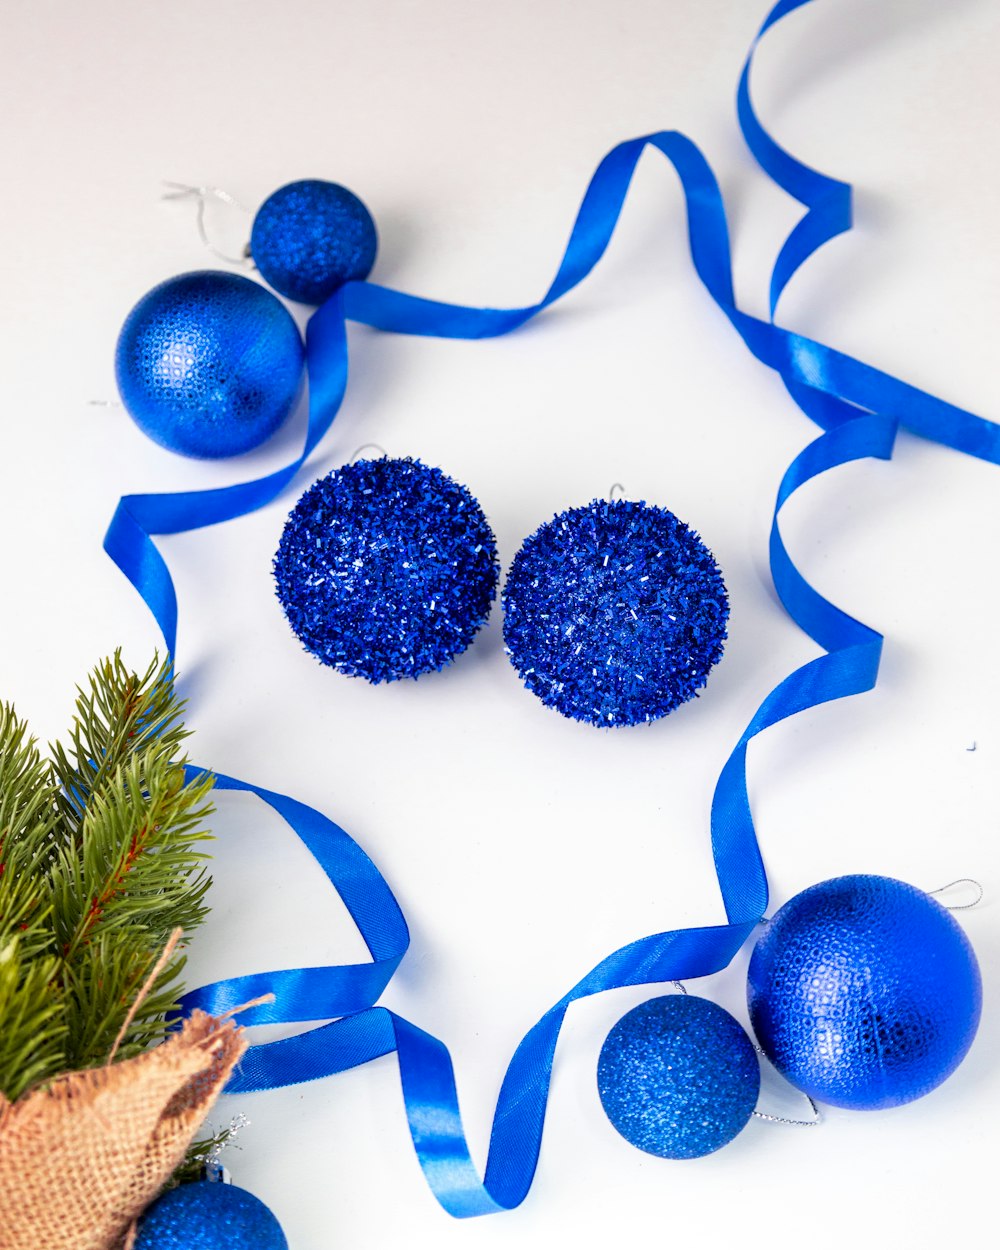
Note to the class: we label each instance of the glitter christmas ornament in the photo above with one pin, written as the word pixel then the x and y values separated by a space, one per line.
pixel 386 569
pixel 311 237
pixel 864 992
pixel 208 1215
pixel 209 364
pixel 678 1077
pixel 614 613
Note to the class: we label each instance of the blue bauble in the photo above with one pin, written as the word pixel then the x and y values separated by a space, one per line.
pixel 311 237
pixel 209 364
pixel 386 569
pixel 864 992
pixel 209 1216
pixel 614 613
pixel 678 1077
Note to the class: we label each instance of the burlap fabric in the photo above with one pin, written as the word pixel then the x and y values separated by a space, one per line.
pixel 82 1157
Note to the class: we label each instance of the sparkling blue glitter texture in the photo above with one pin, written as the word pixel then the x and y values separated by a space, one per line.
pixel 864 992
pixel 311 237
pixel 678 1077
pixel 614 613
pixel 386 569
pixel 209 363
pixel 209 1216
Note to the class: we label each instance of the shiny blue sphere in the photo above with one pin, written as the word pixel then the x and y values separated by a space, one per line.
pixel 208 1215
pixel 678 1077
pixel 311 237
pixel 864 992
pixel 209 364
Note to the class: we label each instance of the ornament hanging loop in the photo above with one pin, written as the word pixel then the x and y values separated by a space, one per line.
pixel 202 195
pixel 783 1119
pixel 976 885
pixel 617 491
pixel 358 455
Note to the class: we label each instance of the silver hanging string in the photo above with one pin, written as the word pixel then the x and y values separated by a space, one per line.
pixel 977 886
pixel 201 196
pixel 783 1119
pixel 365 446
pixel 616 486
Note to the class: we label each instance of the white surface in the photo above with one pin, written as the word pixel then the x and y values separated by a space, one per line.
pixel 523 847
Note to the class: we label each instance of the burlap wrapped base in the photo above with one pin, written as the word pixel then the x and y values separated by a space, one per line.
pixel 82 1157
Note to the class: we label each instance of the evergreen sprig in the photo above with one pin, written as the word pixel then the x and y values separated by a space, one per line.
pixel 100 860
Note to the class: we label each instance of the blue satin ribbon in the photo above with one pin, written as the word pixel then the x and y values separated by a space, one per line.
pixel 860 410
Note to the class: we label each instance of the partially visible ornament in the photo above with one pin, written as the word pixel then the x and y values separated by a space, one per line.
pixel 386 569
pixel 209 1215
pixel 311 237
pixel 678 1076
pixel 614 613
pixel 864 992
pixel 209 364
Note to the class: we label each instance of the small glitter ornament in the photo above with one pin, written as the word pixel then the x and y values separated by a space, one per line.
pixel 678 1077
pixel 386 569
pixel 311 237
pixel 208 1215
pixel 614 613
pixel 864 992
pixel 209 363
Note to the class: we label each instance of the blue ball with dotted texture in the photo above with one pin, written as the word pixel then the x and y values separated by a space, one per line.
pixel 310 237
pixel 678 1077
pixel 209 364
pixel 209 1215
pixel 864 992
pixel 386 569
pixel 614 613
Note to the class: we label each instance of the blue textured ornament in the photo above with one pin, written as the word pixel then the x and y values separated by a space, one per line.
pixel 614 613
pixel 209 363
pixel 208 1215
pixel 386 569
pixel 311 237
pixel 678 1077
pixel 864 992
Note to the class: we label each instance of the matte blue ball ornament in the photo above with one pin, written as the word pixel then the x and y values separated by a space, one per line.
pixel 678 1077
pixel 386 569
pixel 209 1215
pixel 864 992
pixel 311 237
pixel 614 613
pixel 209 364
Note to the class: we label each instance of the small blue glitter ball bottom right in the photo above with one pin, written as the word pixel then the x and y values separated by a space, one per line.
pixel 678 1077
pixel 209 1215
pixel 864 992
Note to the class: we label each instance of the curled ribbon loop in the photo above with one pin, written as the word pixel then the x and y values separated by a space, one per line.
pixel 858 407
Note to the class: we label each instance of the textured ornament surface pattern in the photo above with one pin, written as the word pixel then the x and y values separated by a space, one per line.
pixel 209 1215
pixel 310 237
pixel 864 992
pixel 386 569
pixel 209 363
pixel 678 1077
pixel 614 613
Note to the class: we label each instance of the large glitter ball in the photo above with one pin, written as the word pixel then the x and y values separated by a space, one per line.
pixel 208 1215
pixel 678 1077
pixel 614 613
pixel 864 992
pixel 311 237
pixel 386 569
pixel 209 364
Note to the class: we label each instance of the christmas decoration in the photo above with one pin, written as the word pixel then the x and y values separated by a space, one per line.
pixel 864 992
pixel 678 1076
pixel 310 237
pixel 386 569
pixel 209 1216
pixel 614 613
pixel 208 364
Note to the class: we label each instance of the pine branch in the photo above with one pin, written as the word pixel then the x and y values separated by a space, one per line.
pixel 100 859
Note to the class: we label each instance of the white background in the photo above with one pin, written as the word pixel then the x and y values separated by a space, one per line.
pixel 524 847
